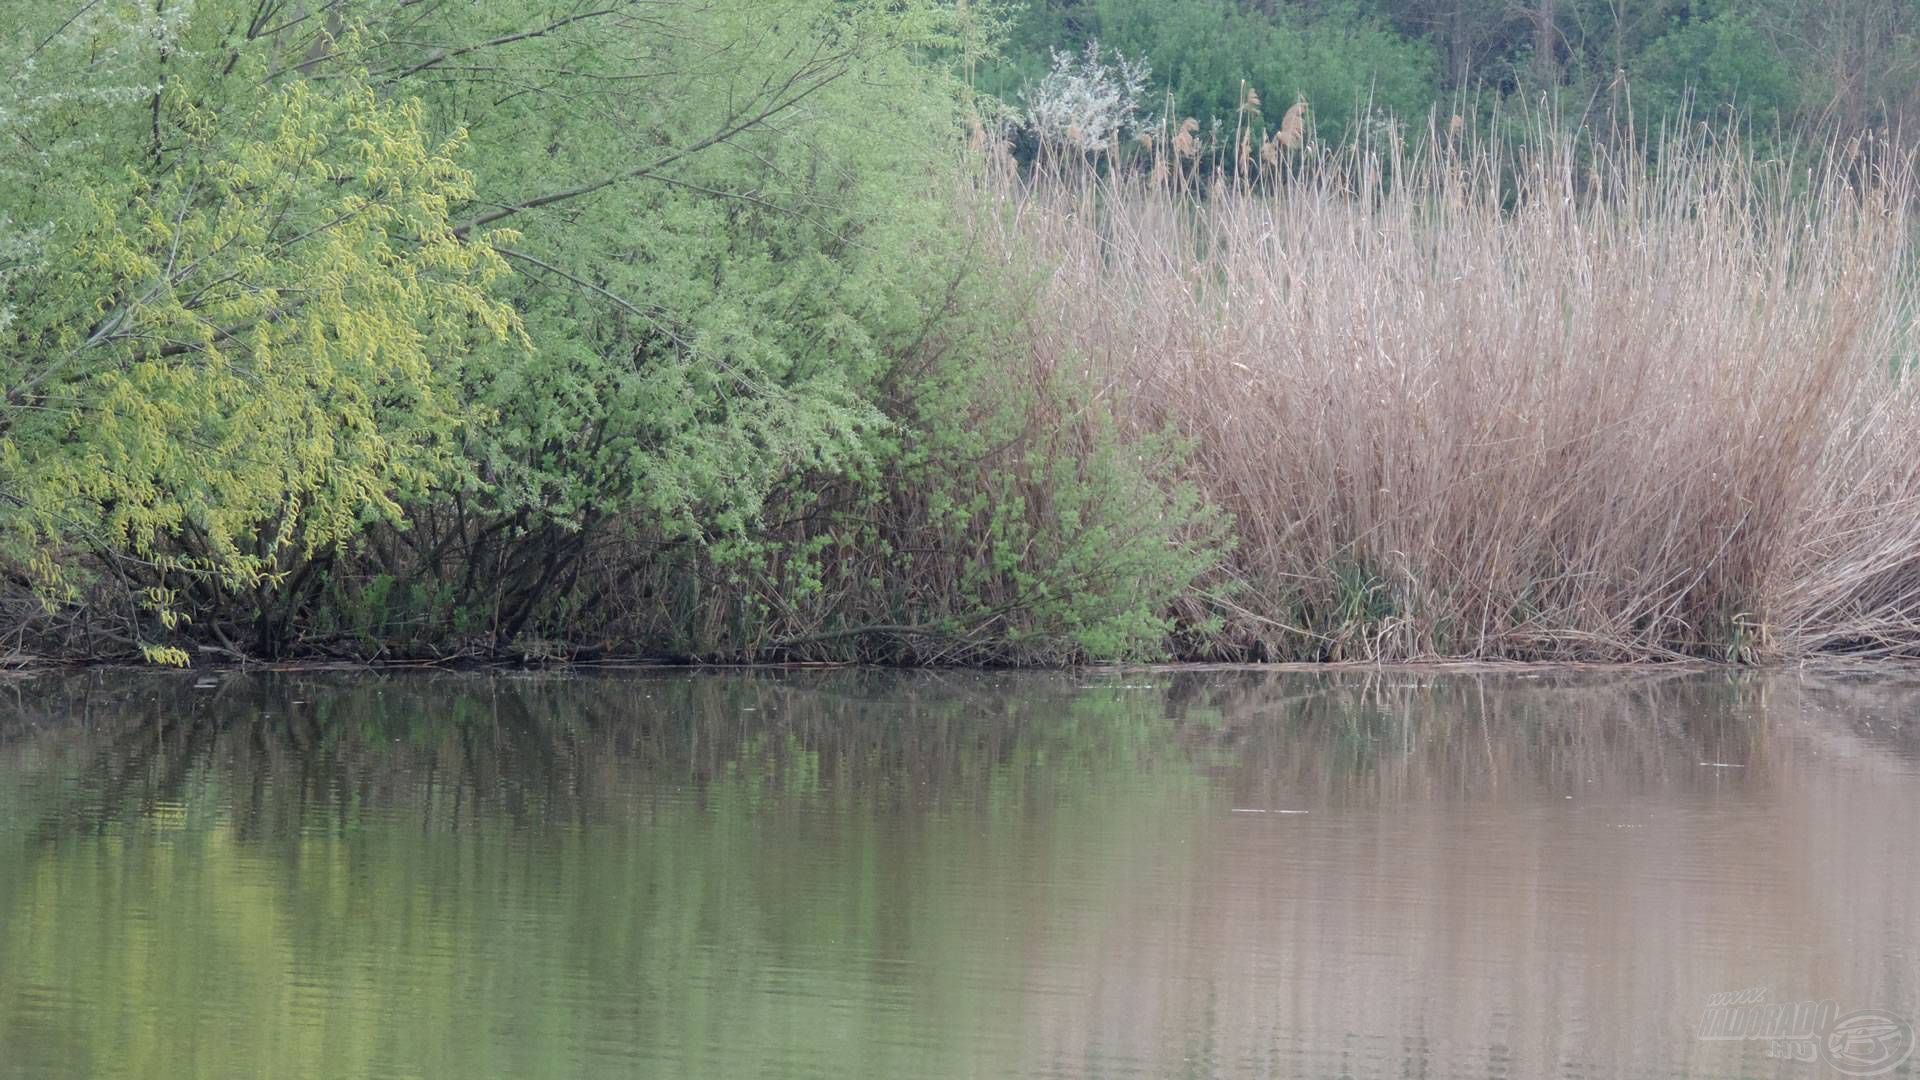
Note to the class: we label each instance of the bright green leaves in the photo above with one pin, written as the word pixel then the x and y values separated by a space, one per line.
pixel 711 326
pixel 1715 63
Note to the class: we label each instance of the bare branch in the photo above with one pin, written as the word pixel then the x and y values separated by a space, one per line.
pixel 439 56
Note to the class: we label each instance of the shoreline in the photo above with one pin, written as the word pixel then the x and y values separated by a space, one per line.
pixel 1825 664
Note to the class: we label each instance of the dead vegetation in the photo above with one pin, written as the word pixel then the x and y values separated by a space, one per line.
pixel 1537 398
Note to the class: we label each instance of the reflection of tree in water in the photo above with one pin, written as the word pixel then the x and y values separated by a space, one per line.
pixel 413 846
pixel 281 751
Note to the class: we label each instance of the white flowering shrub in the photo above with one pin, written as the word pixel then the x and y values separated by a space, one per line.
pixel 1087 100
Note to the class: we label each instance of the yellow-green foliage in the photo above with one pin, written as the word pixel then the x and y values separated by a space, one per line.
pixel 236 353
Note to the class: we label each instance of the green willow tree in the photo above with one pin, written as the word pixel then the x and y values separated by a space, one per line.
pixel 718 260
pixel 648 325
pixel 770 410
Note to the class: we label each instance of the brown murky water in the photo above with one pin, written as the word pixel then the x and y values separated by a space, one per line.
pixel 866 874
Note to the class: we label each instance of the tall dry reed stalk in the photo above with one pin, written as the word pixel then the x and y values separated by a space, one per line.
pixel 1544 400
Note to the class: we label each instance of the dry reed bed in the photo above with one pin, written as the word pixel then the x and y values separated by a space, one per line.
pixel 1545 403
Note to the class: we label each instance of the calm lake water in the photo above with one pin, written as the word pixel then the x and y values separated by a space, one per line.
pixel 854 874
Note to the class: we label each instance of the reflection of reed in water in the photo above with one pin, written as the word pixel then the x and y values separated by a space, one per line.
pixel 1386 736
pixel 1513 876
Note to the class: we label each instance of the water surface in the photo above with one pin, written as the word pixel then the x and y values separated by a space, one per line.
pixel 854 874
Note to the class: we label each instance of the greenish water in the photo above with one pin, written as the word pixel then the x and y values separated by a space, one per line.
pixel 856 874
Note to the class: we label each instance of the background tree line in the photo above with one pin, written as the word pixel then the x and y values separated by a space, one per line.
pixel 1777 63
